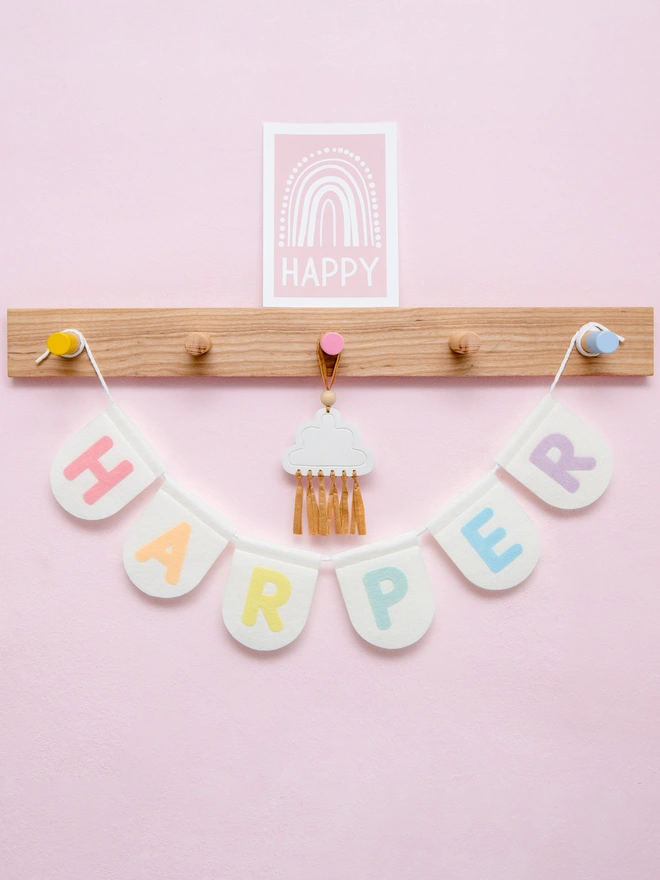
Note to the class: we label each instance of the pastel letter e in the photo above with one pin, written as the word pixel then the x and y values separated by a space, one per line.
pixel 380 601
pixel 484 544
pixel 89 460
pixel 267 602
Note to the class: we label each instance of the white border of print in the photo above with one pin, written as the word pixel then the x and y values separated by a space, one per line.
pixel 391 214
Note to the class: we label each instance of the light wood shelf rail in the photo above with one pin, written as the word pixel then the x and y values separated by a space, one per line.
pixel 279 342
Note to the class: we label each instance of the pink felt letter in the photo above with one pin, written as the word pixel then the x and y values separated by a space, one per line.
pixel 89 460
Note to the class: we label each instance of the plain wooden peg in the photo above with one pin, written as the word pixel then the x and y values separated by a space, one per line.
pixel 464 342
pixel 198 343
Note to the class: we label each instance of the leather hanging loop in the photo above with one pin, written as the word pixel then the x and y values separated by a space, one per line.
pixel 328 361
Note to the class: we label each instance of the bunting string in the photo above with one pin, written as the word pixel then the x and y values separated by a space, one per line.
pixel 485 531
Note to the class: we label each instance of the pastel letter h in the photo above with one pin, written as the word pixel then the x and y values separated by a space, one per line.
pixel 559 470
pixel 484 544
pixel 89 461
pixel 380 601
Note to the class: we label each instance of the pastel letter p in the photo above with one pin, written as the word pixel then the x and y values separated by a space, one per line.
pixel 380 601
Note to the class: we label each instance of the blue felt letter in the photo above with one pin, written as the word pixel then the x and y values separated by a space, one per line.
pixel 484 544
pixel 380 602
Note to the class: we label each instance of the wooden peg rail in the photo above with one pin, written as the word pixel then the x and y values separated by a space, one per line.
pixel 279 342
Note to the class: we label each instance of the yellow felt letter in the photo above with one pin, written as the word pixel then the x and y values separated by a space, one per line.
pixel 170 549
pixel 268 602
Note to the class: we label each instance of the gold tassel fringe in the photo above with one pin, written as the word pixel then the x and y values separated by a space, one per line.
pixel 358 521
pixel 312 507
pixel 343 506
pixel 331 510
pixel 298 506
pixel 333 505
pixel 323 507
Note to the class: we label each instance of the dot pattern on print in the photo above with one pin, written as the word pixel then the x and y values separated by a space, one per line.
pixel 361 167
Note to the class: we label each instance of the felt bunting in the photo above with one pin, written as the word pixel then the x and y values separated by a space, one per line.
pixel 174 543
pixel 387 591
pixel 558 456
pixel 385 586
pixel 488 535
pixel 103 467
pixel 268 593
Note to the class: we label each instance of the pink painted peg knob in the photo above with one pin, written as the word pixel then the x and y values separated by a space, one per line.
pixel 332 343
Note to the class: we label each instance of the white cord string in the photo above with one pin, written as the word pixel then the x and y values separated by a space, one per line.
pixel 84 346
pixel 576 342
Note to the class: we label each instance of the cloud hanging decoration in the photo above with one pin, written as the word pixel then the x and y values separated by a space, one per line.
pixel 327 444
pixel 327 447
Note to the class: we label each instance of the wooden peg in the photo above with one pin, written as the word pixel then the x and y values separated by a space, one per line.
pixel 464 342
pixel 198 343
pixel 63 343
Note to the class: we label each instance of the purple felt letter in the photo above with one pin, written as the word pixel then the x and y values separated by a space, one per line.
pixel 559 470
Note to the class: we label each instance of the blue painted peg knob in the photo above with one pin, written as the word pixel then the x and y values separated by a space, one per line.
pixel 600 341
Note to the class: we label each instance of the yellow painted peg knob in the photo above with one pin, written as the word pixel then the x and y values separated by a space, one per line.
pixel 63 343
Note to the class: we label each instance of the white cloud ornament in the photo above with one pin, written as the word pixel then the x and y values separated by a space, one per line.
pixel 327 444
pixel 327 447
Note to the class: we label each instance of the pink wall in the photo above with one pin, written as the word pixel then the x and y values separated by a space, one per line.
pixel 519 738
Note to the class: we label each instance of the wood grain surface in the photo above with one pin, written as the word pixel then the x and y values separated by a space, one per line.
pixel 282 342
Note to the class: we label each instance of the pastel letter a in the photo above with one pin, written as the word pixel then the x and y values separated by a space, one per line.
pixel 267 602
pixel 89 460
pixel 559 470
pixel 380 601
pixel 170 549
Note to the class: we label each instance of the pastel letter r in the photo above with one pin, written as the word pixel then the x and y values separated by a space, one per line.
pixel 267 602
pixel 559 470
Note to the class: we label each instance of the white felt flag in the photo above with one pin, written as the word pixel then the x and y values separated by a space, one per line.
pixel 488 535
pixel 174 543
pixel 558 456
pixel 268 594
pixel 387 591
pixel 103 467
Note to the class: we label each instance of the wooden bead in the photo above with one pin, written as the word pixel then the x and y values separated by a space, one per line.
pixel 198 343
pixel 328 398
pixel 464 342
